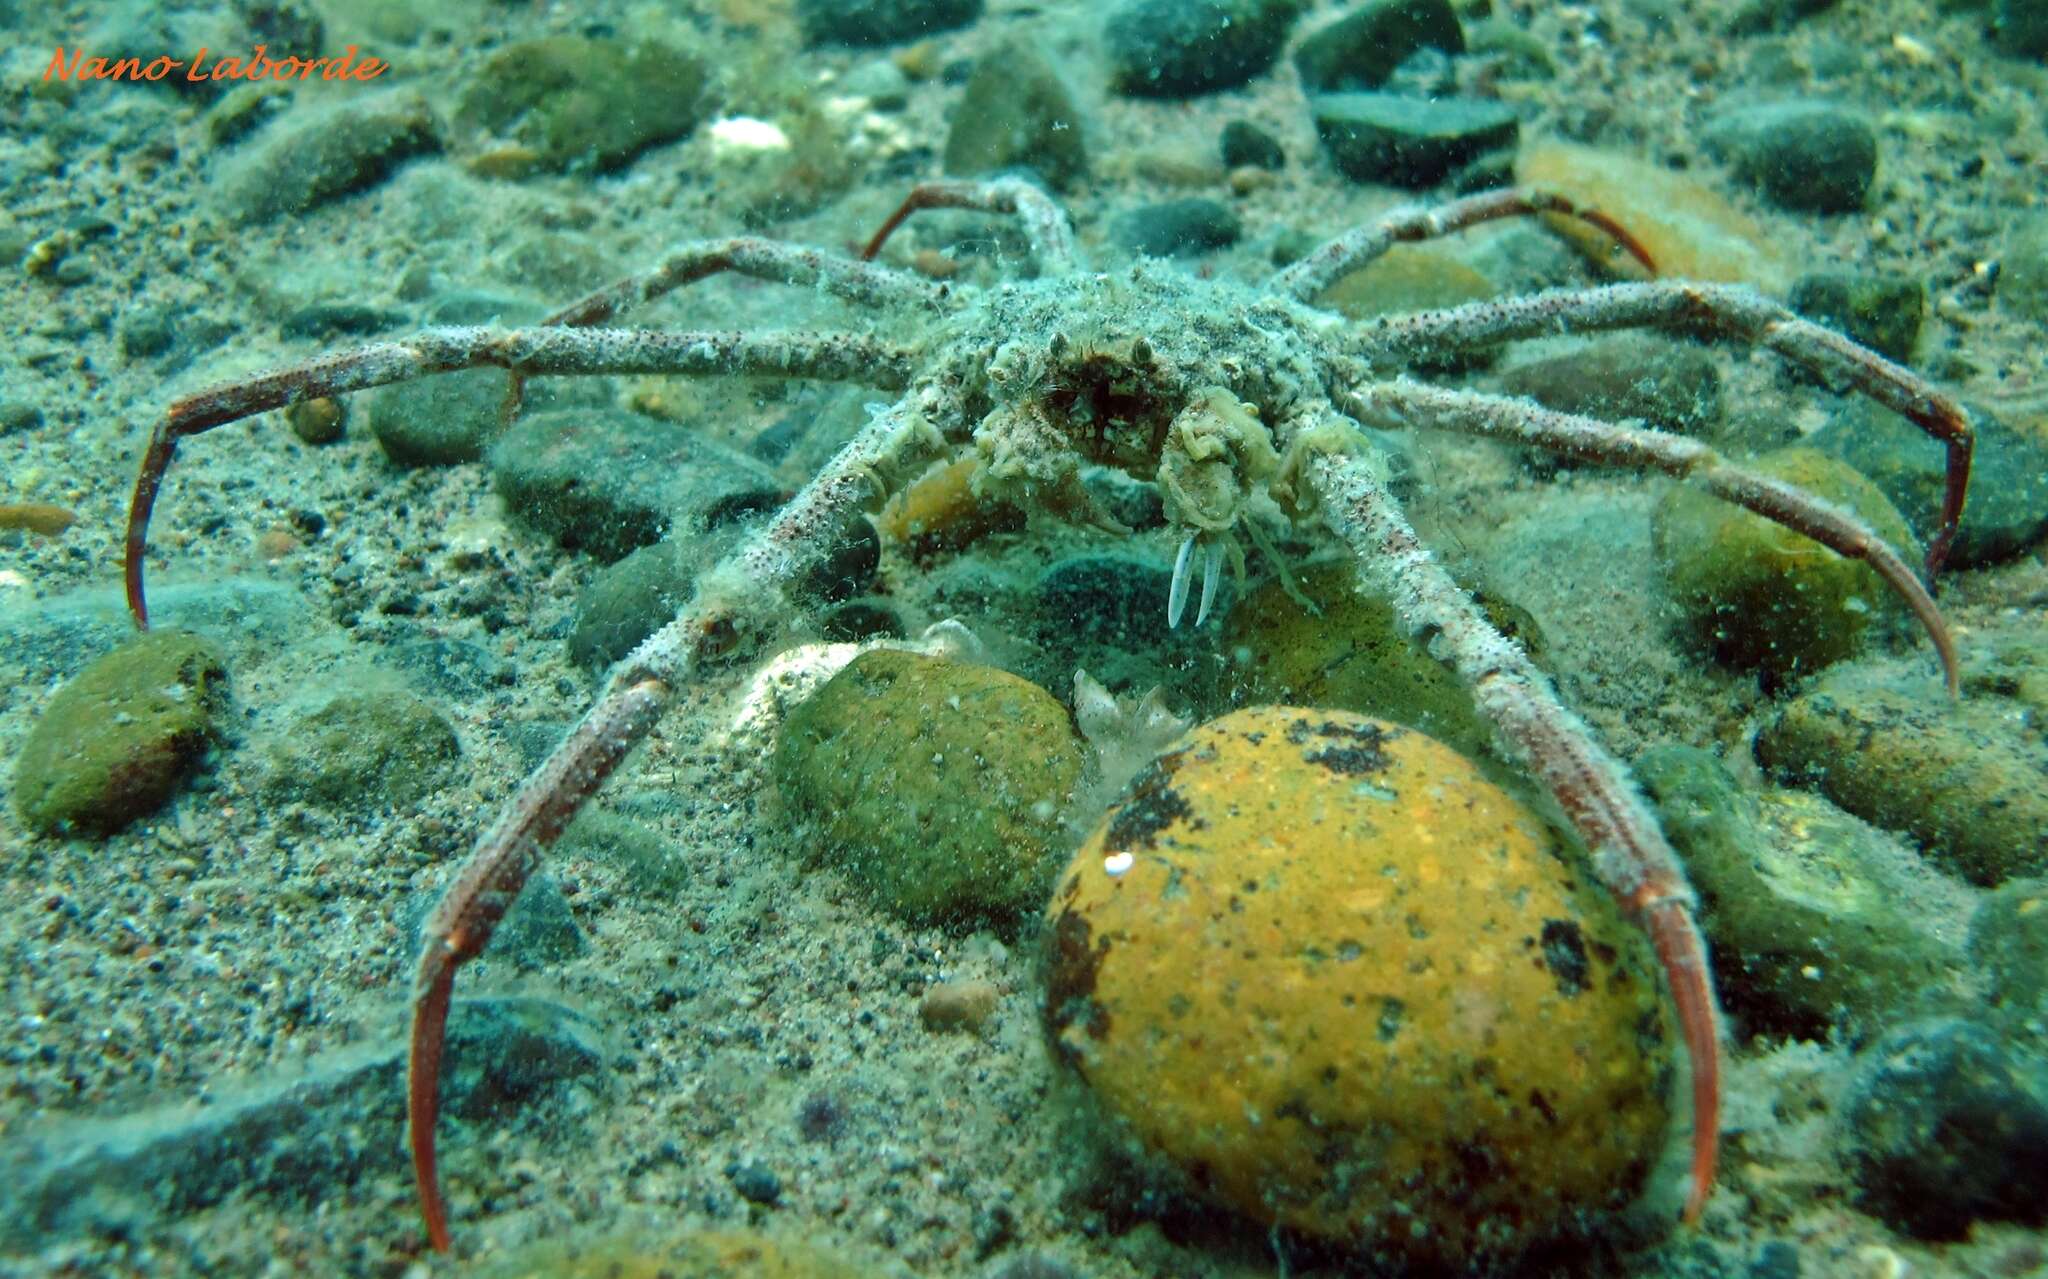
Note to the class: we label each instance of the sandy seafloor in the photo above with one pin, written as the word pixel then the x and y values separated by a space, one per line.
pixel 230 937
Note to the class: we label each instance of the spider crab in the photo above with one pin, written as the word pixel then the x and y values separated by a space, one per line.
pixel 1221 393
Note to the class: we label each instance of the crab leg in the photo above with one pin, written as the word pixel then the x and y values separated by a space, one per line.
pixel 1591 440
pixel 1045 223
pixel 1630 855
pixel 1722 311
pixel 1329 263
pixel 737 604
pixel 861 281
pixel 833 357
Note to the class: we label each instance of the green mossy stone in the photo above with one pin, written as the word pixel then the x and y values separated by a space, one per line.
pixel 1882 311
pixel 1815 920
pixel 1355 656
pixel 581 103
pixel 349 149
pixel 2009 945
pixel 366 749
pixel 1963 778
pixel 1018 110
pixel 1756 596
pixel 115 742
pixel 937 786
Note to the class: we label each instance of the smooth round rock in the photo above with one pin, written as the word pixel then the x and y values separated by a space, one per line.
pixel 936 785
pixel 1349 987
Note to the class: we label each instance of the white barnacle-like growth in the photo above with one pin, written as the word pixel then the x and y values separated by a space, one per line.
pixel 1124 734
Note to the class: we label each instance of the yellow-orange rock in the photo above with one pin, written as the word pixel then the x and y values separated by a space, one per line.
pixel 1691 232
pixel 1350 987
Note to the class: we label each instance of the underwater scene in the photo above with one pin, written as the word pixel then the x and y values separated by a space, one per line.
pixel 1023 639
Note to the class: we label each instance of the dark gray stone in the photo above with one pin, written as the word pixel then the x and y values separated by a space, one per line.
pixel 1409 142
pixel 1805 156
pixel 2022 28
pixel 755 1182
pixel 1362 49
pixel 1883 312
pixel 1018 112
pixel 607 481
pixel 351 148
pixel 2009 945
pixel 1184 48
pixel 1246 145
pixel 286 1139
pixel 2008 508
pixel 1948 1127
pixel 147 332
pixel 870 22
pixel 322 321
pixel 2023 269
pixel 365 749
pixel 1178 228
pixel 630 600
pixel 1671 385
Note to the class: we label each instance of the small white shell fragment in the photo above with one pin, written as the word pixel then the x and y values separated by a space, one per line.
pixel 1912 50
pixel 736 133
pixel 1116 864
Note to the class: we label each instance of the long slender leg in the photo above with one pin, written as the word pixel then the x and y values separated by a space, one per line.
pixel 1630 855
pixel 737 605
pixel 1045 223
pixel 833 357
pixel 1721 311
pixel 1591 440
pixel 851 280
pixel 1325 265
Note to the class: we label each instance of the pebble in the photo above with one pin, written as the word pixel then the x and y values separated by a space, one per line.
pixel 2020 28
pixel 576 103
pixel 117 739
pixel 318 421
pixel 1648 378
pixel 755 1182
pixel 1692 232
pixel 607 481
pixel 328 1123
pixel 365 750
pixel 2009 946
pixel 1018 111
pixel 1755 596
pixel 1945 1127
pixel 344 150
pixel 1834 927
pixel 958 1005
pixel 18 415
pixel 2007 513
pixel 1178 228
pixel 323 321
pixel 1186 48
pixel 1362 49
pixel 2023 269
pixel 1805 156
pixel 935 785
pixel 1410 142
pixel 872 22
pixel 1963 778
pixel 1246 145
pixel 1106 614
pixel 1882 311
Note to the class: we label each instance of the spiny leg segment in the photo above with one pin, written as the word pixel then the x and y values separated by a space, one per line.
pixel 1323 266
pixel 1045 223
pixel 836 357
pixel 1414 404
pixel 728 618
pixel 1723 311
pixel 1630 855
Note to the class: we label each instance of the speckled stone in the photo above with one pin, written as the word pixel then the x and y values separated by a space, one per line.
pixel 1185 48
pixel 1411 142
pixel 119 737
